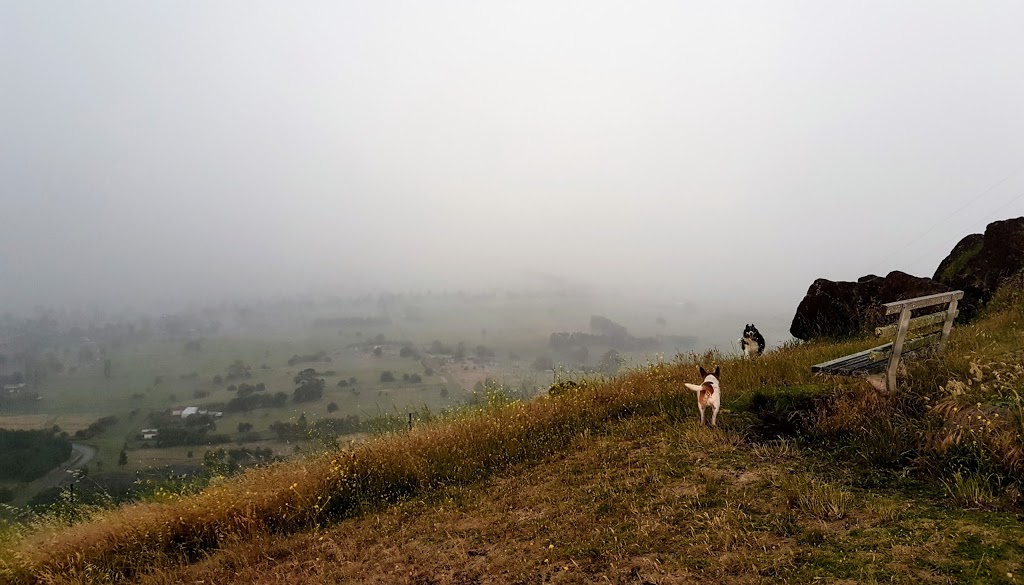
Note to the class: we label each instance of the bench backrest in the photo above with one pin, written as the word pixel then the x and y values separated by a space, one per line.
pixel 947 303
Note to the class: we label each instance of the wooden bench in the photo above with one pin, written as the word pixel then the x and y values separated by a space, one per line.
pixel 929 329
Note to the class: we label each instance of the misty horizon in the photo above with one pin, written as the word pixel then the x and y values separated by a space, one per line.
pixel 724 154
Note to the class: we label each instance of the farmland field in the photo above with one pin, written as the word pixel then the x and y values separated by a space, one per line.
pixel 384 359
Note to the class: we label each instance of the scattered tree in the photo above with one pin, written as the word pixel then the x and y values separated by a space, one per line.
pixel 543 363
pixel 611 362
pixel 309 390
pixel 239 371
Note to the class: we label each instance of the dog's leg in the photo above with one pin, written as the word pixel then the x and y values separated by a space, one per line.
pixel 701 409
pixel 714 415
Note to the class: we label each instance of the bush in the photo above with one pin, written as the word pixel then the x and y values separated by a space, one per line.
pixel 309 391
pixel 387 376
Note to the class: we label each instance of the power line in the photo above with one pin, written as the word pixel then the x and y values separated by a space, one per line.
pixel 987 217
pixel 943 220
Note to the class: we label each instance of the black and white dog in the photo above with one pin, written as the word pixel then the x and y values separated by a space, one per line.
pixel 752 342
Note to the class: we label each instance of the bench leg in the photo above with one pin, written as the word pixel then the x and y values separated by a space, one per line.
pixel 897 349
pixel 948 325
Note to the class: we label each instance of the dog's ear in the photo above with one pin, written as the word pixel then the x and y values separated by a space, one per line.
pixel 718 372
pixel 703 373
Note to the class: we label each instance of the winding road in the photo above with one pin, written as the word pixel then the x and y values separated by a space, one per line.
pixel 81 455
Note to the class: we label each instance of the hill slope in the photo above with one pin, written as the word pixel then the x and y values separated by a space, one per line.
pixel 650 501
pixel 806 477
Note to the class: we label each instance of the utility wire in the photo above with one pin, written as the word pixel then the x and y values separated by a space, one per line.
pixel 987 217
pixel 943 220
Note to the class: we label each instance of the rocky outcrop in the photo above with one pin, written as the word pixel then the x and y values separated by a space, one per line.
pixel 843 309
pixel 980 263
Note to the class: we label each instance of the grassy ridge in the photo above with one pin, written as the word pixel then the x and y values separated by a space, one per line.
pixel 931 422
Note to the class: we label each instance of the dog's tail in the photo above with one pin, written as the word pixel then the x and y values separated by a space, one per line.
pixel 694 387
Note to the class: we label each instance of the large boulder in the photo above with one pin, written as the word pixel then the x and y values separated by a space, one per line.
pixel 844 309
pixel 980 263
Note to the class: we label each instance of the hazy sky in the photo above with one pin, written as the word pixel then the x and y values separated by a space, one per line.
pixel 176 149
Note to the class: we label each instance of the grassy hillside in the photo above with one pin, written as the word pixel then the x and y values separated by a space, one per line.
pixel 806 477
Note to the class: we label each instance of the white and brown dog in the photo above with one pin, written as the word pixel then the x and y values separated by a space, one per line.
pixel 709 393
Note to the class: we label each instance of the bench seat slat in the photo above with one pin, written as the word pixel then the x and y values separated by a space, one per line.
pixel 838 362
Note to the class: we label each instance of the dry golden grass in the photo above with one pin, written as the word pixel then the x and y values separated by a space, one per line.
pixel 298 495
pixel 251 516
pixel 647 500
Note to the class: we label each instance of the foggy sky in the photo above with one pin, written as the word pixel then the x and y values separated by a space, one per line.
pixel 713 150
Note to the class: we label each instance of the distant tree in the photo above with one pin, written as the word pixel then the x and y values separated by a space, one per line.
pixel 342 383
pixel 415 378
pixel 405 377
pixel 428 371
pixel 305 376
pixel 543 363
pixel 309 390
pixel 377 351
pixel 387 376
pixel 238 371
pixel 200 393
pixel 332 407
pixel 244 427
pixel 438 348
pixel 606 326
pixel 611 362
pixel 250 389
pixel 218 379
pixel 408 351
pixel 122 459
pixel 108 368
pixel 580 355
pixel 444 392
